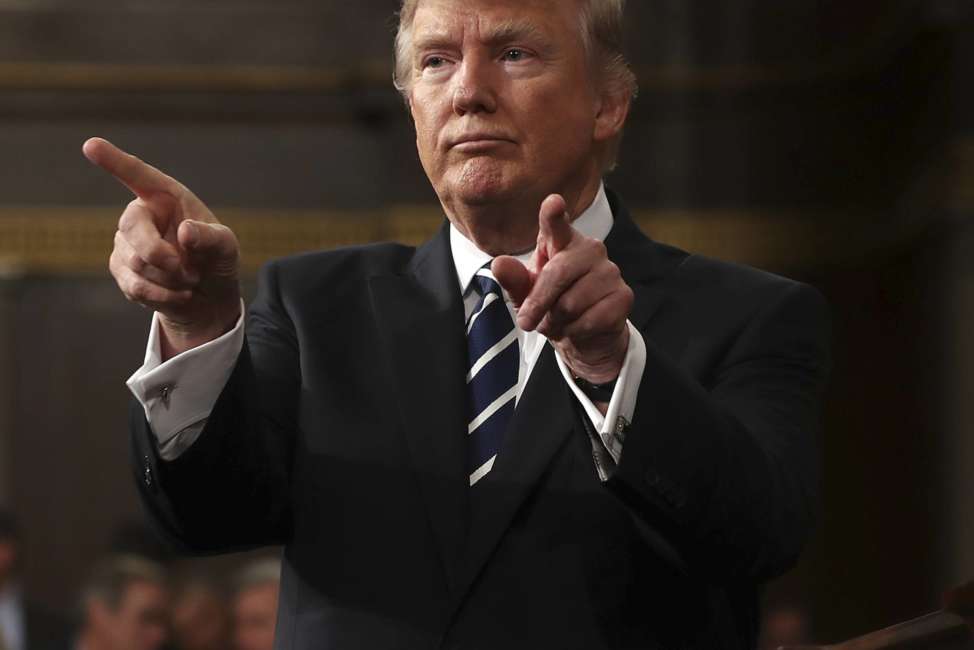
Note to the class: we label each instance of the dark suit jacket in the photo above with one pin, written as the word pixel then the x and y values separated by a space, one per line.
pixel 341 435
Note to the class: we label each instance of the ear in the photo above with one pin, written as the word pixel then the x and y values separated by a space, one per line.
pixel 409 107
pixel 611 113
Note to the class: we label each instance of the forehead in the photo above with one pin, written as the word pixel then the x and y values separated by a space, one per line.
pixel 141 593
pixel 437 18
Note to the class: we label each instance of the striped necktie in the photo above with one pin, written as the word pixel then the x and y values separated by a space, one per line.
pixel 492 374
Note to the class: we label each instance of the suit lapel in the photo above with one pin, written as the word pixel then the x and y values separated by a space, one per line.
pixel 419 315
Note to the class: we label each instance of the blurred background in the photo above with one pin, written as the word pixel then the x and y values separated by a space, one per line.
pixel 828 140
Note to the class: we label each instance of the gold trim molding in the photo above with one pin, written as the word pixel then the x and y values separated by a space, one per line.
pixel 78 241
pixel 257 79
pixel 188 78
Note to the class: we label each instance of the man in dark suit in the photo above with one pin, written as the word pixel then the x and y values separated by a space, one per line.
pixel 614 451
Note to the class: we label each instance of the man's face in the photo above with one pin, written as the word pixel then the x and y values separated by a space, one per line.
pixel 255 614
pixel 200 620
pixel 141 620
pixel 503 99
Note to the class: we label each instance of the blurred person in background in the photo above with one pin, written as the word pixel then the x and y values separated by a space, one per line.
pixel 23 624
pixel 125 606
pixel 200 619
pixel 255 593
pixel 785 623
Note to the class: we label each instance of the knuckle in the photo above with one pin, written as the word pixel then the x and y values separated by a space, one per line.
pixel 628 293
pixel 130 216
pixel 556 270
pixel 627 297
pixel 596 247
pixel 584 327
pixel 138 290
pixel 567 309
pixel 156 255
pixel 134 262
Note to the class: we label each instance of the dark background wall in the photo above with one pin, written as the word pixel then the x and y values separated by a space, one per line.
pixel 827 140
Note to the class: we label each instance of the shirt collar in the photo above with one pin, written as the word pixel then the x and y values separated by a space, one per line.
pixel 594 222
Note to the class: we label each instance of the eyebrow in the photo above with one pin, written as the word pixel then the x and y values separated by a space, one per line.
pixel 514 30
pixel 505 32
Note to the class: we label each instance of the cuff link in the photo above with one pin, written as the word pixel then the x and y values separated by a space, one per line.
pixel 164 395
pixel 621 428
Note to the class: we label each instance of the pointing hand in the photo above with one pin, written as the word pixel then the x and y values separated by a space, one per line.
pixel 171 254
pixel 571 293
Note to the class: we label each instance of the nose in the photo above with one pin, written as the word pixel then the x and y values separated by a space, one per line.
pixel 474 91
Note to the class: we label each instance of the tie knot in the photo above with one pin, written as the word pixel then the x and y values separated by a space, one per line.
pixel 485 282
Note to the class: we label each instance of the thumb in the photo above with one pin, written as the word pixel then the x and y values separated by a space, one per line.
pixel 211 241
pixel 554 229
pixel 514 277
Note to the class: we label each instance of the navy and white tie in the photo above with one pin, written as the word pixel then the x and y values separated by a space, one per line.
pixel 491 376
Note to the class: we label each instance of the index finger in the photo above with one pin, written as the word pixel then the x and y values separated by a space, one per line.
pixel 555 230
pixel 142 179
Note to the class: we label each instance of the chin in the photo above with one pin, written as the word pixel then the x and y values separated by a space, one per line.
pixel 482 183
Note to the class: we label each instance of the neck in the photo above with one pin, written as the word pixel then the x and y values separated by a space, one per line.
pixel 511 227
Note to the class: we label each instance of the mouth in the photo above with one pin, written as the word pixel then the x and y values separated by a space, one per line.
pixel 476 142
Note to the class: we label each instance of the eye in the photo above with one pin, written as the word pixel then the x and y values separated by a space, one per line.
pixel 434 62
pixel 514 54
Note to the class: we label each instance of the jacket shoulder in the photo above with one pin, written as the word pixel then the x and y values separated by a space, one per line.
pixel 734 277
pixel 309 281
pixel 714 288
pixel 365 259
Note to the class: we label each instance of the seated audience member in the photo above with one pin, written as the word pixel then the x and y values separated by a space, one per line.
pixel 256 589
pixel 125 606
pixel 785 624
pixel 23 624
pixel 200 619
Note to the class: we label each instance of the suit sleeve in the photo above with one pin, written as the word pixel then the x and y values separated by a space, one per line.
pixel 727 471
pixel 230 490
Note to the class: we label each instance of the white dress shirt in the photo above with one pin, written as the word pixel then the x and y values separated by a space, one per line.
pixel 179 395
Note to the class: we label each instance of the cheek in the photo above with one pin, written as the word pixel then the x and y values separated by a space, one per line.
pixel 426 137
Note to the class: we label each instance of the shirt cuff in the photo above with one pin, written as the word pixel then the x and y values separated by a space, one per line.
pixel 182 391
pixel 612 426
